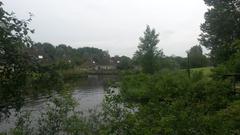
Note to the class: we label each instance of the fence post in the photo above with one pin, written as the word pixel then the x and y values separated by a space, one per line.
pixel 188 67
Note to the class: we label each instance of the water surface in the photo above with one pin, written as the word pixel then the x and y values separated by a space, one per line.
pixel 88 92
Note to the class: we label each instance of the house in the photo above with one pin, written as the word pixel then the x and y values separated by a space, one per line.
pixel 105 67
pixel 92 65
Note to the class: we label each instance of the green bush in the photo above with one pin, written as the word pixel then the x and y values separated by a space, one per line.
pixel 167 103
pixel 177 104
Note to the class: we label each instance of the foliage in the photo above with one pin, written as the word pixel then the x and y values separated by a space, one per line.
pixel 231 66
pixel 61 118
pixel 94 54
pixel 44 80
pixel 50 122
pixel 15 62
pixel 65 57
pixel 196 57
pixel 164 102
pixel 125 63
pixel 227 120
pixel 171 63
pixel 19 69
pixel 147 50
pixel 207 71
pixel 171 103
pixel 23 124
pixel 168 103
pixel 221 28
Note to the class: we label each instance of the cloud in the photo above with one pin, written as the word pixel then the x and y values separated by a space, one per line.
pixel 113 25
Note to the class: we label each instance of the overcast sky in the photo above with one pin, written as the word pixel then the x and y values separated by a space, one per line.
pixel 113 25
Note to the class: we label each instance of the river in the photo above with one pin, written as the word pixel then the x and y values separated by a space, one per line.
pixel 88 92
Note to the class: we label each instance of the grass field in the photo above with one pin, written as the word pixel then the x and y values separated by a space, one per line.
pixel 206 70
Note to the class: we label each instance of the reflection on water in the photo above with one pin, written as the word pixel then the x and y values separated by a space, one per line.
pixel 88 92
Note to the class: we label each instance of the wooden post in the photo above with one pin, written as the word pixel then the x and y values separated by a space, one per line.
pixel 188 68
pixel 234 84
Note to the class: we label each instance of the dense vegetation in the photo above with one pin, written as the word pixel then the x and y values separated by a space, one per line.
pixel 166 103
pixel 221 28
pixel 15 63
pixel 157 96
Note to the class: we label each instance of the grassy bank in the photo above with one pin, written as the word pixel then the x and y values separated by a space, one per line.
pixel 205 70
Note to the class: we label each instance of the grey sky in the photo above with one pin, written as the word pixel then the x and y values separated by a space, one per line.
pixel 113 25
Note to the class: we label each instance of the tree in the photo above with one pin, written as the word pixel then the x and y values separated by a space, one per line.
pixel 94 54
pixel 46 50
pixel 232 66
pixel 124 63
pixel 14 59
pixel 169 63
pixel 196 57
pixel 182 62
pixel 221 28
pixel 147 50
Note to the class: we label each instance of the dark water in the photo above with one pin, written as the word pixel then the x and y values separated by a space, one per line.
pixel 88 92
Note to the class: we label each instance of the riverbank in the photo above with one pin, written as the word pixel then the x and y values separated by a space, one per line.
pixel 74 73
